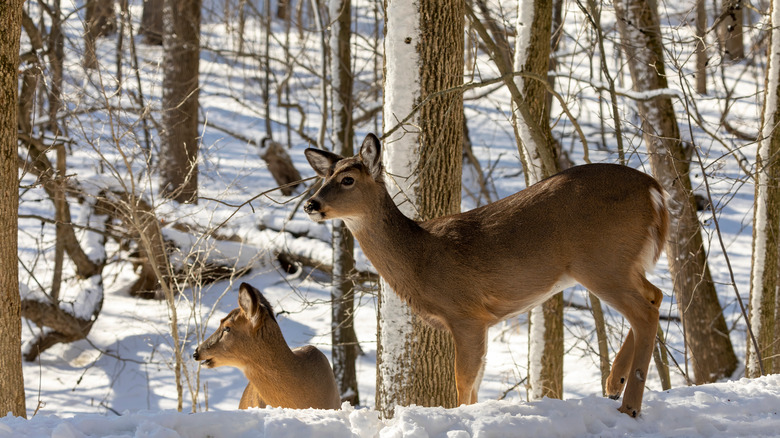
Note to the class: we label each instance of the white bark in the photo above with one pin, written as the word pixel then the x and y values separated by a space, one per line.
pixel 534 174
pixel 337 106
pixel 400 156
pixel 525 19
pixel 760 224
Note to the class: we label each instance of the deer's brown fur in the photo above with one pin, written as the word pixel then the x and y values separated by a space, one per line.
pixel 599 225
pixel 249 338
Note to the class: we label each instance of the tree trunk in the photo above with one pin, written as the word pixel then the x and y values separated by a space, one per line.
pixel 179 145
pixel 705 328
pixel 730 30
pixel 152 22
pixel 344 339
pixel 11 376
pixel 532 54
pixel 280 165
pixel 766 223
pixel 415 361
pixel 100 21
pixel 56 54
pixel 701 47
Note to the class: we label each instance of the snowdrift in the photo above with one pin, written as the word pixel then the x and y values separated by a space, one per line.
pixel 736 408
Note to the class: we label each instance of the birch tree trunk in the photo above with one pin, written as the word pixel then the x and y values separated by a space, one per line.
pixel 415 362
pixel 179 145
pixel 343 336
pixel 532 54
pixel 706 333
pixel 766 222
pixel 11 376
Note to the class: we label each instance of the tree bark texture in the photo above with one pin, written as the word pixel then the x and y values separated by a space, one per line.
pixel 730 30
pixel 179 145
pixel 11 376
pixel 415 362
pixel 706 333
pixel 56 55
pixel 152 22
pixel 701 47
pixel 545 346
pixel 100 21
pixel 344 339
pixel 766 223
pixel 280 165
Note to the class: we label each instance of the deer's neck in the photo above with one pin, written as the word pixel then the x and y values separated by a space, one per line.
pixel 272 361
pixel 396 245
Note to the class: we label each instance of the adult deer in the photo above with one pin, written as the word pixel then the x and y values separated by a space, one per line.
pixel 249 338
pixel 598 225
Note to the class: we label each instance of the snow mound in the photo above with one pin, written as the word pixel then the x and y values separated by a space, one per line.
pixel 748 407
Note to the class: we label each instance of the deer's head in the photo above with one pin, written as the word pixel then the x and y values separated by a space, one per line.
pixel 350 186
pixel 239 331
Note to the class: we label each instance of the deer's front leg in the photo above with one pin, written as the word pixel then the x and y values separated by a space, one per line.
pixel 620 368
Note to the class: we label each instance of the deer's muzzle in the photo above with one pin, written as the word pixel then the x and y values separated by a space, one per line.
pixel 311 206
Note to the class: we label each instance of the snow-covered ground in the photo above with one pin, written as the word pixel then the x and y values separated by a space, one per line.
pixel 120 381
pixel 745 408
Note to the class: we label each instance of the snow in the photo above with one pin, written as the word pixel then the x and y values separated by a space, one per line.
pixel 207 250
pixel 728 409
pixel 120 382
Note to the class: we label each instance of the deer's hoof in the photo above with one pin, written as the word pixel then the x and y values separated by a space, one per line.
pixel 628 410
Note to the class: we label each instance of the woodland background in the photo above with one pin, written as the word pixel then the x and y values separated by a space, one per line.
pixel 153 158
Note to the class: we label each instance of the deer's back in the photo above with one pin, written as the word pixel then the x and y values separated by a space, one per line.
pixel 509 253
pixel 306 383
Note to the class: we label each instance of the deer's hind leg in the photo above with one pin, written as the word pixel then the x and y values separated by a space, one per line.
pixel 638 301
pixel 620 367
pixel 470 350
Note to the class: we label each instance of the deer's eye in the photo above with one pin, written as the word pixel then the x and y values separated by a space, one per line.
pixel 226 329
pixel 348 181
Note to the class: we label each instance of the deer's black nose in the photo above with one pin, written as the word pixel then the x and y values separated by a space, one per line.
pixel 311 206
pixel 195 355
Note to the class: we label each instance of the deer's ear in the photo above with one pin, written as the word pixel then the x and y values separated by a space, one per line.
pixel 371 155
pixel 252 303
pixel 321 161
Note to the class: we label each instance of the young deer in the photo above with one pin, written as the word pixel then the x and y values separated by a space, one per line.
pixel 250 339
pixel 598 225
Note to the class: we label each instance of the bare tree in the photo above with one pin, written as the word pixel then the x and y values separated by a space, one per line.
pixel 11 376
pixel 701 47
pixel 152 22
pixel 344 339
pixel 100 21
pixel 706 333
pixel 532 54
pixel 56 55
pixel 424 46
pixel 178 162
pixel 766 223
pixel 730 30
